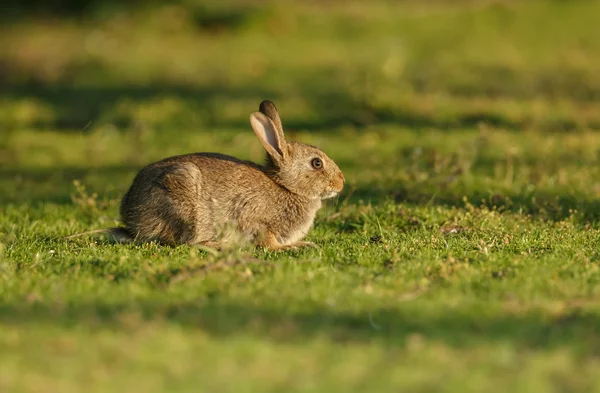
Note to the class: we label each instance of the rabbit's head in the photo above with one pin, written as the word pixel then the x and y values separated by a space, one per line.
pixel 300 168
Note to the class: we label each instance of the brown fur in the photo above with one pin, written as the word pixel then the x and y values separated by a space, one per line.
pixel 190 199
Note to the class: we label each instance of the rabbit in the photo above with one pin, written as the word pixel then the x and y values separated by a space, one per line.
pixel 189 199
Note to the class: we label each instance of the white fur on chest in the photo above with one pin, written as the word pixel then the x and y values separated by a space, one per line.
pixel 299 231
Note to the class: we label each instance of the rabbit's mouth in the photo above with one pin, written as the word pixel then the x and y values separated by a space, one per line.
pixel 329 194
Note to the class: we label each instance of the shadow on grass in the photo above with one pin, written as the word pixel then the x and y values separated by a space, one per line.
pixel 76 107
pixel 206 17
pixel 544 205
pixel 55 185
pixel 392 326
pixel 330 106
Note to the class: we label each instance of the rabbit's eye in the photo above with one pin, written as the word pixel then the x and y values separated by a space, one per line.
pixel 316 163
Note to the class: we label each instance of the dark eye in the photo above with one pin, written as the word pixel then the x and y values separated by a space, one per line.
pixel 316 163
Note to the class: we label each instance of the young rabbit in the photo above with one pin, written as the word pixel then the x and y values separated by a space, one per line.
pixel 189 199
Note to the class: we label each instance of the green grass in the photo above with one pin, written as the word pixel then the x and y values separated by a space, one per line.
pixel 463 254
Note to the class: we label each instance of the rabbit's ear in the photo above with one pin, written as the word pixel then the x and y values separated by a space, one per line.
pixel 270 110
pixel 268 134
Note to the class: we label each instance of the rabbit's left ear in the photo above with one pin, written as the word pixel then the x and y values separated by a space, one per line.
pixel 271 138
pixel 270 110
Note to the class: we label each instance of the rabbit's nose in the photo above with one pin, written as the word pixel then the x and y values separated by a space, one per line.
pixel 339 182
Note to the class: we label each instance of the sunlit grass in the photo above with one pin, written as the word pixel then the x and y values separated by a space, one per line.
pixel 462 255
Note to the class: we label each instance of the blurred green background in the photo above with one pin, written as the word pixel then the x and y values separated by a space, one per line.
pixel 329 64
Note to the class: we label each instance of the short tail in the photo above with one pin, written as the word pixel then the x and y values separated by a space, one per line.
pixel 119 234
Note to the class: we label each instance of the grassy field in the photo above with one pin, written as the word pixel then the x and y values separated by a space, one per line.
pixel 463 254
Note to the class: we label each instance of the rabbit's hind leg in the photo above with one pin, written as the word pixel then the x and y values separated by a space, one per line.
pixel 183 206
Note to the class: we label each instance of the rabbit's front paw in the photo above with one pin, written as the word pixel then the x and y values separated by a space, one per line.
pixel 299 245
pixel 305 244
